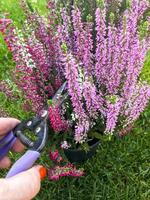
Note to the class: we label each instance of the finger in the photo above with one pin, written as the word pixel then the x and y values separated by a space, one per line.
pixel 25 185
pixel 18 146
pixel 5 163
pixel 7 124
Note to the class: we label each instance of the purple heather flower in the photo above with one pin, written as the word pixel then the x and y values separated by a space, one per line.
pixel 78 34
pixel 83 42
pixel 88 49
pixel 101 50
pixel 134 66
pixel 74 87
pixel 93 101
pixel 66 28
pixel 112 66
pixel 113 110
pixel 143 6
pixel 75 92
pixel 137 102
pixel 134 47
pixel 81 131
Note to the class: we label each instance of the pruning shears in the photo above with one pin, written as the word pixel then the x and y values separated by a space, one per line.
pixel 38 126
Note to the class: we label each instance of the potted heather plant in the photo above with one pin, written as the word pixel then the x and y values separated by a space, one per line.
pixel 101 63
pixel 104 77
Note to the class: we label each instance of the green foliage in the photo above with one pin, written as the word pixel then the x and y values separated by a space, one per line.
pixel 112 98
pixel 145 74
pixel 85 147
pixel 143 28
pixel 39 5
pixel 100 3
pixel 64 48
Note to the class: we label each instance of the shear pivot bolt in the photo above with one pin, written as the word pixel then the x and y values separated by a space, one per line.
pixel 44 113
pixel 18 132
pixel 38 130
pixel 31 144
pixel 29 123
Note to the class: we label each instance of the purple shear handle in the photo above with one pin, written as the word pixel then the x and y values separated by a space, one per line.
pixel 6 144
pixel 24 163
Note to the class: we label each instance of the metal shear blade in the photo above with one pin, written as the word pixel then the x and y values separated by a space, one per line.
pixel 60 96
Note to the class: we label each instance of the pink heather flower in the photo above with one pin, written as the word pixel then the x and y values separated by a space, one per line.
pixel 57 172
pixel 55 119
pixel 6 89
pixel 47 40
pixel 113 111
pixel 55 156
pixel 60 62
pixel 58 83
pixel 49 90
pixel 25 78
pixel 44 32
pixel 76 173
pixel 35 56
pixel 52 175
pixel 4 23
pixel 38 55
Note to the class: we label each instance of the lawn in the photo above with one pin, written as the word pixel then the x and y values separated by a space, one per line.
pixel 121 168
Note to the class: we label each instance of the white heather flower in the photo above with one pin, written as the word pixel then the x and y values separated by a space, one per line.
pixel 65 145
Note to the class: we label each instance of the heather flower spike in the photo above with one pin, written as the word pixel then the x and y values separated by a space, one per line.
pixel 68 170
pixel 55 156
pixel 57 123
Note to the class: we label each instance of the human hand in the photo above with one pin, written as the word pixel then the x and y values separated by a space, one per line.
pixel 23 186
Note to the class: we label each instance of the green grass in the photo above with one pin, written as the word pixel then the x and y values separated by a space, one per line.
pixel 121 168
pixel 119 171
pixel 145 75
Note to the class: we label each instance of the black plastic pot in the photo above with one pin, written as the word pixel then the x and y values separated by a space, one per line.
pixel 79 156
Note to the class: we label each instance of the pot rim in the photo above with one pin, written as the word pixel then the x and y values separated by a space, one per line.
pixel 92 146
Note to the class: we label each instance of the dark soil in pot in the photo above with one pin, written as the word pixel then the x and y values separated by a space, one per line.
pixel 79 155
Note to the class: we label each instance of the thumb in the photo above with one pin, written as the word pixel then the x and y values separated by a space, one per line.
pixel 24 186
